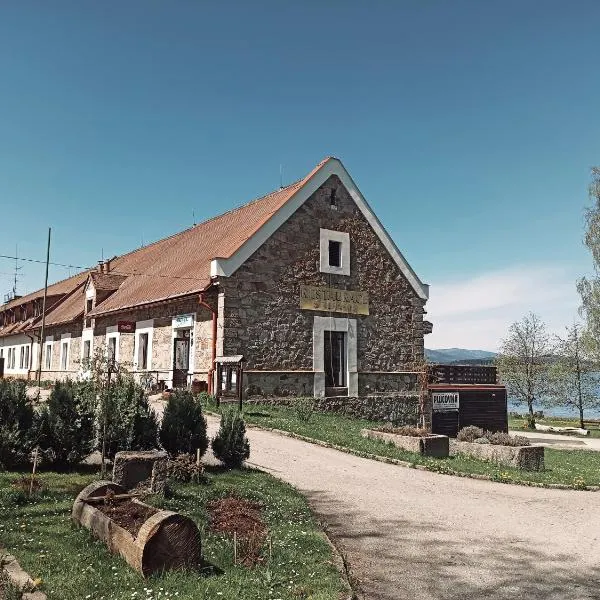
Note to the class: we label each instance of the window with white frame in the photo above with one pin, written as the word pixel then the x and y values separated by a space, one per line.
pixel 22 358
pixel 13 358
pixel 112 348
pixel 64 355
pixel 48 356
pixel 26 361
pixel 334 252
pixel 143 351
pixel 87 348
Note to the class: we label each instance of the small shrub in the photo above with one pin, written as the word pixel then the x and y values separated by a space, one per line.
pixel 469 433
pixel 183 428
pixel 184 468
pixel 304 409
pixel 130 422
pixel 481 440
pixel 231 445
pixel 499 438
pixel 16 420
pixel 64 426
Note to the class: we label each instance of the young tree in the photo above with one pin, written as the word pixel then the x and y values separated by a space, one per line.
pixel 574 373
pixel 589 287
pixel 523 362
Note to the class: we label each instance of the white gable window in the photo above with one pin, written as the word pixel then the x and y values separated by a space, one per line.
pixel 335 252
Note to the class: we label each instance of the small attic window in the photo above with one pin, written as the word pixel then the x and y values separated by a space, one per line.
pixel 89 305
pixel 333 201
pixel 335 253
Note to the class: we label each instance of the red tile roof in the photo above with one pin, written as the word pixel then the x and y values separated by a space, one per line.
pixel 180 265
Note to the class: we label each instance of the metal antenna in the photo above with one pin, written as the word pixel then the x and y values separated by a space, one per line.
pixel 193 216
pixel 17 269
pixel 280 176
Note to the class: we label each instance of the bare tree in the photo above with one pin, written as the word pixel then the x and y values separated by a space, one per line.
pixel 574 373
pixel 523 363
pixel 589 287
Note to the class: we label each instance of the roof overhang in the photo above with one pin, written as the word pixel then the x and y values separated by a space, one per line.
pixel 225 267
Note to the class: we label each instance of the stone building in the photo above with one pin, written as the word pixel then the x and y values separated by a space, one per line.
pixel 304 283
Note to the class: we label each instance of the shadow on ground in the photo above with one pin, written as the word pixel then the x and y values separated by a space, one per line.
pixel 396 559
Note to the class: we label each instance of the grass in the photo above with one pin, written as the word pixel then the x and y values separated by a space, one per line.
pixel 74 565
pixel 577 468
pixel 593 427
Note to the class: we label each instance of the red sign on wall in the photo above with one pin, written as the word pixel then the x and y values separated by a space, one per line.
pixel 125 326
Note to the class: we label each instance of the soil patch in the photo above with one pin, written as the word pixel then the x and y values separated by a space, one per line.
pixel 24 483
pixel 231 515
pixel 128 514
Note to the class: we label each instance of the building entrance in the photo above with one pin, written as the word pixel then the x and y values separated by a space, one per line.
pixel 335 360
pixel 181 359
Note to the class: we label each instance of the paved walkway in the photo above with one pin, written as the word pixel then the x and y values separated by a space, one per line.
pixel 419 535
pixel 555 440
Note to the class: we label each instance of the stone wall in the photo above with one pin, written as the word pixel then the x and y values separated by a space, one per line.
pixel 261 315
pixel 400 409
pixel 281 384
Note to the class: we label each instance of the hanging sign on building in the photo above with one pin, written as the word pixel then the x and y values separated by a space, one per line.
pixel 183 321
pixel 125 326
pixel 334 300
pixel 444 402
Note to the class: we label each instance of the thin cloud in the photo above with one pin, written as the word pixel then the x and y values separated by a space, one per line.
pixel 476 312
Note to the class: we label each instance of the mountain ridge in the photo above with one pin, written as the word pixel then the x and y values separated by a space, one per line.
pixel 454 355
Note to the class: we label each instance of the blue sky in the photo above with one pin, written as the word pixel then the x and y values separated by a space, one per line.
pixel 470 127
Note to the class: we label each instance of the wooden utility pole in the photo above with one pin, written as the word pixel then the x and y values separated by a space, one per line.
pixel 39 371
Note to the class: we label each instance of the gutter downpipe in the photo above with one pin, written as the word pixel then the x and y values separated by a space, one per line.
pixel 213 352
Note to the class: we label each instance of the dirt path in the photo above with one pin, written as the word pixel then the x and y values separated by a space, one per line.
pixel 554 440
pixel 419 535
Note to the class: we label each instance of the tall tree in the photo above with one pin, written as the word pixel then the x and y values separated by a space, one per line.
pixel 574 373
pixel 523 363
pixel 589 287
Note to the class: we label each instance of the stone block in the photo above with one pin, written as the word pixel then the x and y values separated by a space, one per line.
pixel 434 445
pixel 527 458
pixel 141 468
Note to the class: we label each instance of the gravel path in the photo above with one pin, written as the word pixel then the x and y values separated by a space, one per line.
pixel 554 440
pixel 420 535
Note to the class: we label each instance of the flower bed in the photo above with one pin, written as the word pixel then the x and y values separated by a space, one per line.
pixel 425 443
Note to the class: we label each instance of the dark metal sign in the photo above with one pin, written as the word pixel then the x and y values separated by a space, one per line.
pixel 126 326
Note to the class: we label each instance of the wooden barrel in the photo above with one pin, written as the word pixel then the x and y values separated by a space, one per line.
pixel 166 540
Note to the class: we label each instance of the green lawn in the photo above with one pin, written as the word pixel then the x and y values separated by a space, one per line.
pixel 515 423
pixel 75 566
pixel 569 467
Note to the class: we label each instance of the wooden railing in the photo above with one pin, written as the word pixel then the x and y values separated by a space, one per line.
pixel 464 374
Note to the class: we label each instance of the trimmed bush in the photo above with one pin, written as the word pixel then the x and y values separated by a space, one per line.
pixel 230 445
pixel 469 434
pixel 16 420
pixel 64 427
pixel 504 439
pixel 130 422
pixel 183 428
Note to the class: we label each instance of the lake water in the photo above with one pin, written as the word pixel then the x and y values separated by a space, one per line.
pixel 555 411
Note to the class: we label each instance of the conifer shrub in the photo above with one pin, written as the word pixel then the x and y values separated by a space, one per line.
pixel 130 422
pixel 183 428
pixel 16 420
pixel 64 429
pixel 230 445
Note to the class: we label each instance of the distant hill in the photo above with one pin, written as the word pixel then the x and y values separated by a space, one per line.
pixel 459 355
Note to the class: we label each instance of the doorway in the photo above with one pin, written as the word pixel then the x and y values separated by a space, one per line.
pixel 335 362
pixel 181 359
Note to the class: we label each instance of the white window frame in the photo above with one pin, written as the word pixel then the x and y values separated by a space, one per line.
pixel 27 357
pixel 326 236
pixel 142 327
pixel 113 332
pixel 65 340
pixel 22 357
pixel 48 353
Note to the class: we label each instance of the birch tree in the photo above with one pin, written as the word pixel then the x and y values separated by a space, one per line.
pixel 589 287
pixel 574 374
pixel 523 362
